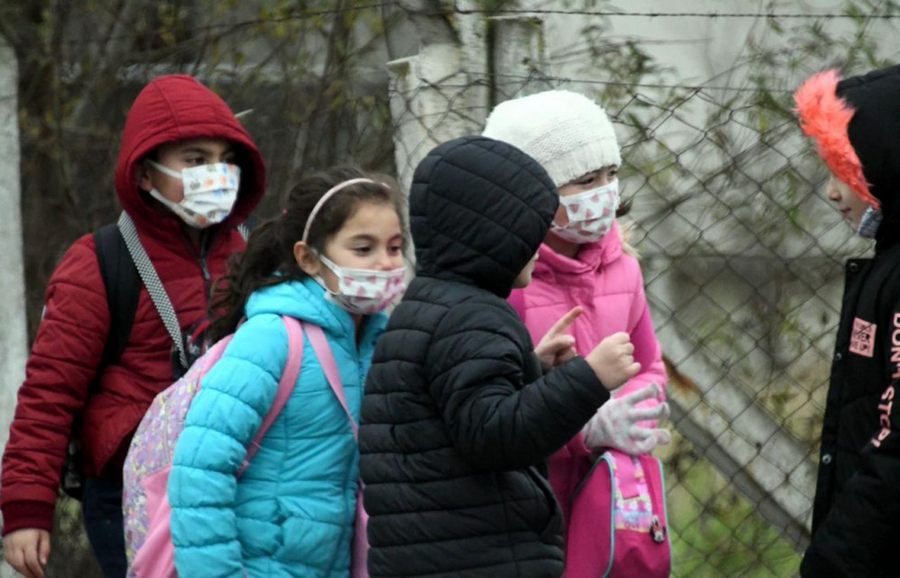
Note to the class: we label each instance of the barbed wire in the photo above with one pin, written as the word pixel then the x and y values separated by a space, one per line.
pixel 635 84
pixel 670 14
pixel 301 14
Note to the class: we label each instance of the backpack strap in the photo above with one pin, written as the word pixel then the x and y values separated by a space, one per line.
pixel 120 278
pixel 326 359
pixel 360 542
pixel 285 387
pixel 154 286
pixel 626 474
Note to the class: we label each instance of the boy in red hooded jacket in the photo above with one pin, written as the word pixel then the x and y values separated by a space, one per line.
pixel 176 129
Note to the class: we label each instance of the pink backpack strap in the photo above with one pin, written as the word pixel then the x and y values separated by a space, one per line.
pixel 285 386
pixel 215 353
pixel 360 544
pixel 329 366
pixel 626 474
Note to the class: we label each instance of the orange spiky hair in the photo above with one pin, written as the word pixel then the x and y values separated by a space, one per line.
pixel 825 117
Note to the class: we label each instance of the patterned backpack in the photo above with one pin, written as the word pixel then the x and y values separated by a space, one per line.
pixel 618 523
pixel 148 537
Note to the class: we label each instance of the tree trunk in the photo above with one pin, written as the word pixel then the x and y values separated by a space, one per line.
pixel 13 337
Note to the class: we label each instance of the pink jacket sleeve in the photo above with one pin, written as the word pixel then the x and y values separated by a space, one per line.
pixel 646 351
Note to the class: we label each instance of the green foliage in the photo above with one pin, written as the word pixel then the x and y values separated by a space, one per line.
pixel 295 64
pixel 714 531
pixel 81 63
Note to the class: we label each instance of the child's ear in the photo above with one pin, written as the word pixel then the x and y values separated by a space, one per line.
pixel 306 258
pixel 143 176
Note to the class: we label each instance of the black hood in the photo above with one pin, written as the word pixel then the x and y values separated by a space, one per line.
pixel 874 133
pixel 479 210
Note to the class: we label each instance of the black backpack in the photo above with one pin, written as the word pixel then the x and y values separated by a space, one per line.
pixel 123 285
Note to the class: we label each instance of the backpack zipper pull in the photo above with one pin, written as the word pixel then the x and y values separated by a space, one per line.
pixel 657 531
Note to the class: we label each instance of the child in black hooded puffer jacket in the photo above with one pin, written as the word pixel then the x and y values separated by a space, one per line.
pixel 458 417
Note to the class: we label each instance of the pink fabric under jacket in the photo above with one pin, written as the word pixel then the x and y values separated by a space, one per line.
pixel 608 285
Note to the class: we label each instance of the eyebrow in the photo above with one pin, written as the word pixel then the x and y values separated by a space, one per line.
pixel 597 172
pixel 370 237
pixel 205 150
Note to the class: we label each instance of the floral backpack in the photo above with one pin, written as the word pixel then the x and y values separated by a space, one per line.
pixel 618 525
pixel 147 513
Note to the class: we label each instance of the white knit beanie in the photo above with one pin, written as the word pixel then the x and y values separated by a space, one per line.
pixel 568 133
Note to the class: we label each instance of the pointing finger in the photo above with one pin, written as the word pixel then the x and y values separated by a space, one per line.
pixel 565 321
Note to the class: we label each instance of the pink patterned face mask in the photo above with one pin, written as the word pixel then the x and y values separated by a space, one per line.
pixel 591 214
pixel 363 291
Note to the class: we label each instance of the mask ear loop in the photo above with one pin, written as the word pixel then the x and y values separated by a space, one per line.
pixel 165 170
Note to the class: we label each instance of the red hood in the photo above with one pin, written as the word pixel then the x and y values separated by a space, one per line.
pixel 173 108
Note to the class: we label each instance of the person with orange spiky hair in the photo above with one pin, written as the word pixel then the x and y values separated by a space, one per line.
pixel 855 123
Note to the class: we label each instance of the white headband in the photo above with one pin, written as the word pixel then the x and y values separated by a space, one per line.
pixel 330 193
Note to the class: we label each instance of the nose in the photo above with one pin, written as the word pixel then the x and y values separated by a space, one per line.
pixel 386 261
pixel 562 217
pixel 832 192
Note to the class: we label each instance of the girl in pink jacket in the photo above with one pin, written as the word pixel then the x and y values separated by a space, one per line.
pixel 582 264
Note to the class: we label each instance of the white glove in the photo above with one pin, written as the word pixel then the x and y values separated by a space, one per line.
pixel 616 424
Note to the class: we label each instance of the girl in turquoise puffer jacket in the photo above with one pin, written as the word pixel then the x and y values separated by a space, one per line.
pixel 333 258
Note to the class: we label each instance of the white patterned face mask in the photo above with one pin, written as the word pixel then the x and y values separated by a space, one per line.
pixel 591 214
pixel 210 192
pixel 363 291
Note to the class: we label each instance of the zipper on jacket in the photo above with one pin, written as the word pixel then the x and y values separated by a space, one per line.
pixel 204 241
pixel 203 267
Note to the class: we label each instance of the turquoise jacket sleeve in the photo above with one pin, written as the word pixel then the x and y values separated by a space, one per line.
pixel 223 419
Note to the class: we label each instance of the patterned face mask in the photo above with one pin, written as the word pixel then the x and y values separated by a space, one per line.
pixel 591 214
pixel 210 192
pixel 363 291
pixel 869 223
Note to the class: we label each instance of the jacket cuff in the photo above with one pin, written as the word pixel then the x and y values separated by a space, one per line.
pixel 589 387
pixel 27 514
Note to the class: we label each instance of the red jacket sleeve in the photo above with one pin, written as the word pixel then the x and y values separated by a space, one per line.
pixel 63 363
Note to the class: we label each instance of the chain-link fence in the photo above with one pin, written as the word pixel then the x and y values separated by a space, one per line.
pixel 742 260
pixel 741 254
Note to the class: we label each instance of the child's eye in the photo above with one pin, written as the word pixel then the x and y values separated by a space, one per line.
pixel 362 250
pixel 396 250
pixel 194 161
